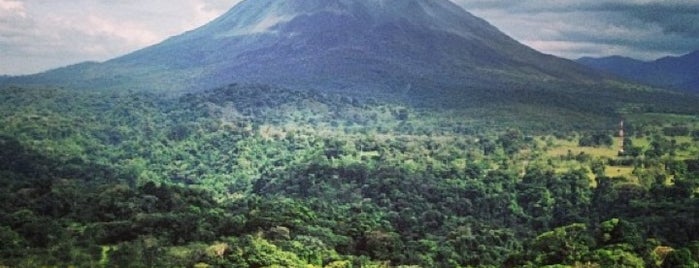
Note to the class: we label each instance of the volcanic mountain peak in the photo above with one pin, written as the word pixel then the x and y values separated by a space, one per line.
pixel 346 45
pixel 271 16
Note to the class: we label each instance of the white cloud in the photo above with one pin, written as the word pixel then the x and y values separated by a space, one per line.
pixel 12 5
pixel 38 35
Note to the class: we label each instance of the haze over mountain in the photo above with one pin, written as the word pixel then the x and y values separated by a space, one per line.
pixel 386 45
pixel 676 72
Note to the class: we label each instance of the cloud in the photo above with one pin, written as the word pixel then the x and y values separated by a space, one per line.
pixel 644 29
pixel 37 35
pixel 9 8
pixel 13 25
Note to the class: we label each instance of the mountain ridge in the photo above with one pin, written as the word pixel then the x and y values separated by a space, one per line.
pixel 679 72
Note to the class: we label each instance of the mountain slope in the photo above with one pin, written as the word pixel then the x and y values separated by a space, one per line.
pixel 388 45
pixel 421 53
pixel 676 72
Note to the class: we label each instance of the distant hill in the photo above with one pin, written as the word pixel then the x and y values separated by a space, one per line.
pixel 694 84
pixel 675 72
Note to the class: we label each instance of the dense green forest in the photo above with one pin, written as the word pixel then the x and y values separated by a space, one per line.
pixel 255 176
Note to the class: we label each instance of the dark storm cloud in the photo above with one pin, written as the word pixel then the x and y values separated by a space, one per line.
pixel 681 20
pixel 674 17
pixel 638 28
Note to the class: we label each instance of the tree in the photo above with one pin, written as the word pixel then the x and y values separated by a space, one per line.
pixel 615 257
pixel 598 168
pixel 538 206
pixel 179 132
pixel 381 245
pixel 487 146
pixel 674 131
pixel 679 258
pixel 563 245
pixel 511 141
pixel 11 243
pixel 254 251
pixel 595 140
pixel 618 231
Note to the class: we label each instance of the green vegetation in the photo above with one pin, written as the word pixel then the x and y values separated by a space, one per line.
pixel 253 176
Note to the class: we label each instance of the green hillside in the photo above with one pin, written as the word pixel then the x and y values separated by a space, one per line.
pixel 258 176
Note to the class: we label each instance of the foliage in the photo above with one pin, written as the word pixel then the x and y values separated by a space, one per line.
pixel 254 176
pixel 597 139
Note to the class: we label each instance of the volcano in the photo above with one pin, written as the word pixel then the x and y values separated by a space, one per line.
pixel 357 46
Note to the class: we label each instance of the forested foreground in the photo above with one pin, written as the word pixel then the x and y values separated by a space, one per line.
pixel 252 176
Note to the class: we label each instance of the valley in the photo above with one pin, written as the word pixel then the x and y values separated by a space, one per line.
pixel 263 176
pixel 345 133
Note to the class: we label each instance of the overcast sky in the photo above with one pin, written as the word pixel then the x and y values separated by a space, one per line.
pixel 36 35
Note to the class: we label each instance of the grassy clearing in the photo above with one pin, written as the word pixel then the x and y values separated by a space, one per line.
pixel 618 171
pixel 567 166
pixel 641 142
pixel 685 155
pixel 688 148
pixel 562 147
pixel 683 139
